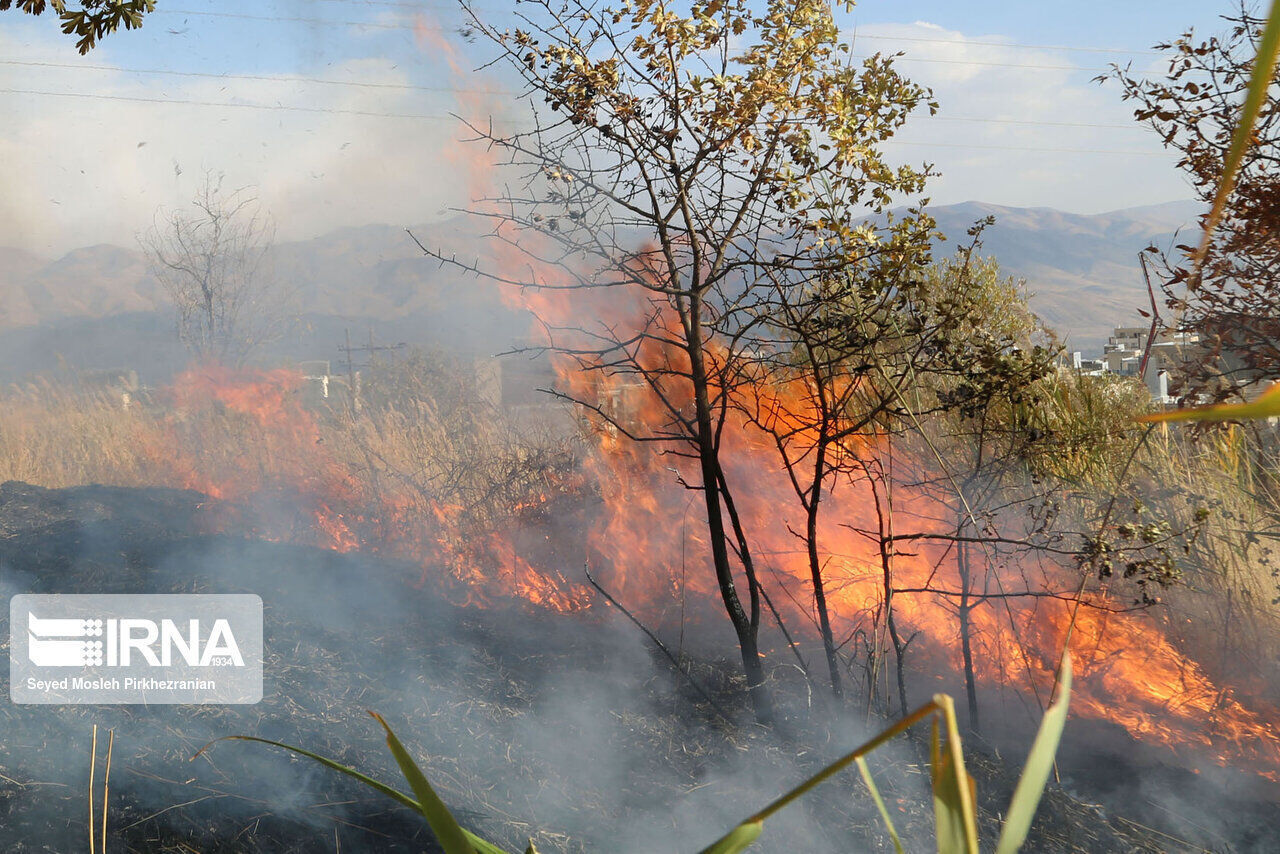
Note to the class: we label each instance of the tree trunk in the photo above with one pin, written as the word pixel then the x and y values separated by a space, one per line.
pixel 744 626
pixel 815 573
pixel 966 646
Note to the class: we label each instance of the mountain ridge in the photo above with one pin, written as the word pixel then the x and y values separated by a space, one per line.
pixel 1082 270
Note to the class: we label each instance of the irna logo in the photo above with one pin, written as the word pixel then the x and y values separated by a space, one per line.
pixel 76 642
pixel 111 648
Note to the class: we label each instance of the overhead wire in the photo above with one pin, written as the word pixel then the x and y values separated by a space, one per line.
pixel 302 79
pixel 451 118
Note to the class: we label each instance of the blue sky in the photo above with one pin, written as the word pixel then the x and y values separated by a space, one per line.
pixel 104 141
pixel 1129 24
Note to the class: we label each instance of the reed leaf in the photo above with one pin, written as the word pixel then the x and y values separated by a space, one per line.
pixel 1035 774
pixel 1265 405
pixel 446 828
pixel 480 846
pixel 738 839
pixel 948 810
pixel 954 791
pixel 884 811
pixel 1264 67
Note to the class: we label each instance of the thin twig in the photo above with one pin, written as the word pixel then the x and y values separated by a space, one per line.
pixel 106 787
pixel 93 758
pixel 675 662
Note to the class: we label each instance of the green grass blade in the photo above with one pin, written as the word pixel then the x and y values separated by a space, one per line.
pixel 379 786
pixel 452 838
pixel 953 788
pixel 1264 67
pixel 755 823
pixel 947 822
pixel 480 845
pixel 884 811
pixel 738 839
pixel 1035 774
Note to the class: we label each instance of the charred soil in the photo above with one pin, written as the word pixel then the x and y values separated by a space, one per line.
pixel 561 727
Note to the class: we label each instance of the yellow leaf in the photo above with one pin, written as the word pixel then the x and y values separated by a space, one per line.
pixel 1265 405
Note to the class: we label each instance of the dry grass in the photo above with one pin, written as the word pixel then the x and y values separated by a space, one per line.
pixel 55 435
pixel 424 469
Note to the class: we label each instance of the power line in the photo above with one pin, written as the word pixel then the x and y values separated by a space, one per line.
pixel 421 26
pixel 418 6
pixel 258 77
pixel 459 90
pixel 1015 45
pixel 965 145
pixel 983 63
pixel 448 118
pixel 395 5
pixel 1040 123
pixel 230 104
pixel 291 20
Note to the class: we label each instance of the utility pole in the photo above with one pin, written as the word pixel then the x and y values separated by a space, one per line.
pixel 370 352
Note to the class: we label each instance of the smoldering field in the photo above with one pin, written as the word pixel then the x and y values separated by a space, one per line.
pixel 526 718
pixel 423 558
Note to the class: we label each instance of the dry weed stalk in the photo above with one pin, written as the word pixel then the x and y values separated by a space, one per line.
pixel 97 843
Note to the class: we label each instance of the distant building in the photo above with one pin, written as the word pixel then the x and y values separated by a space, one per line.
pixel 1128 346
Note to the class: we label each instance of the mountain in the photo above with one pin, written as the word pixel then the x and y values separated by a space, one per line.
pixel 1082 271
pixel 100 305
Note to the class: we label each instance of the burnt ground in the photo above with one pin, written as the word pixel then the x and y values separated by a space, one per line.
pixel 564 728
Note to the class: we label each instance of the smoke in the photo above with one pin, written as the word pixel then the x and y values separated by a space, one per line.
pixel 561 727
pixel 98 160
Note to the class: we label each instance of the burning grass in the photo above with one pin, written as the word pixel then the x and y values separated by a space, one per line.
pixel 559 727
pixel 465 504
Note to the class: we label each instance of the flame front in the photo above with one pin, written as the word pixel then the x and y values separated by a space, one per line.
pixel 649 541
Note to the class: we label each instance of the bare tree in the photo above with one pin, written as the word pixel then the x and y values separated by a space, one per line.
pixel 212 259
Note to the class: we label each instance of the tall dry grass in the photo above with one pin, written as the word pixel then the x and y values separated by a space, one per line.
pixel 57 435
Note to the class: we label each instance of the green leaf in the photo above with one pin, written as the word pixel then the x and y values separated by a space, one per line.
pixel 884 811
pixel 738 839
pixel 744 834
pixel 1265 405
pixel 1264 67
pixel 948 816
pixel 452 838
pixel 480 845
pixel 394 794
pixel 1035 774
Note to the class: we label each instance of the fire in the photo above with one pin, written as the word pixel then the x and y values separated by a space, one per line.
pixel 650 542
pixel 647 538
pixel 246 438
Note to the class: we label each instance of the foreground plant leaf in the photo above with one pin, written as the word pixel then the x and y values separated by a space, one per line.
pixel 747 832
pixel 1265 405
pixel 480 846
pixel 953 789
pixel 884 810
pixel 450 835
pixel 738 839
pixel 1035 774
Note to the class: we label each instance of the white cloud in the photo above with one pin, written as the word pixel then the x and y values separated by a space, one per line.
pixel 82 170
pixel 94 169
pixel 1049 136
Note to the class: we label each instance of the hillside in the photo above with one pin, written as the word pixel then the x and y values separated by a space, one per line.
pixel 1082 270
pixel 1082 273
